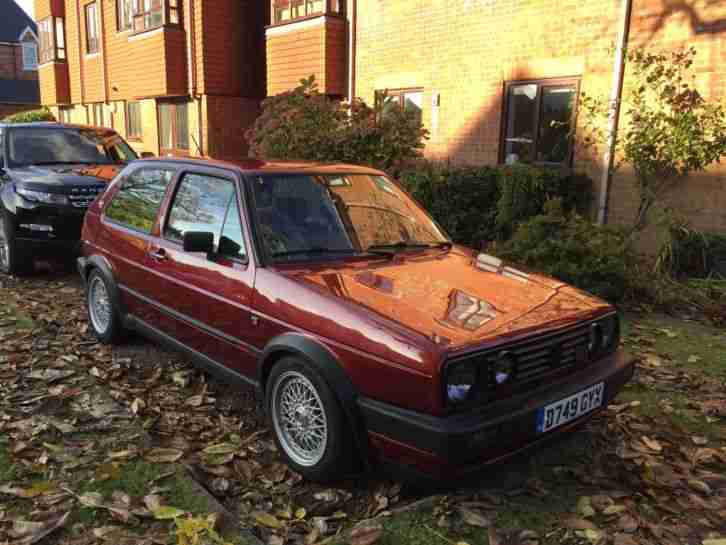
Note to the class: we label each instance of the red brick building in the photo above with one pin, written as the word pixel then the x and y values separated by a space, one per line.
pixel 18 60
pixel 173 76
pixel 487 76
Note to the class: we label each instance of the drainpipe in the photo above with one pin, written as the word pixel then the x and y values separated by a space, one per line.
pixel 616 95
pixel 104 64
pixel 193 84
pixel 353 24
pixel 81 53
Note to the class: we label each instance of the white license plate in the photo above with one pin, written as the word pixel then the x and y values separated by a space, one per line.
pixel 566 410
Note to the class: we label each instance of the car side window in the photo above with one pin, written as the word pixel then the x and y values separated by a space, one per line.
pixel 201 203
pixel 137 202
pixel 232 243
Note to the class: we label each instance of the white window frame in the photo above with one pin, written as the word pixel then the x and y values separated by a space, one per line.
pixel 29 49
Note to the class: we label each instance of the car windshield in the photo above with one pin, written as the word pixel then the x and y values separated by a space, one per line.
pixel 323 216
pixel 45 146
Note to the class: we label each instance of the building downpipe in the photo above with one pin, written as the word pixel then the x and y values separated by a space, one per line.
pixel 616 95
pixel 352 24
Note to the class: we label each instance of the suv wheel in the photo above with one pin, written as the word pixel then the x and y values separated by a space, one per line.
pixel 13 260
pixel 103 315
pixel 308 424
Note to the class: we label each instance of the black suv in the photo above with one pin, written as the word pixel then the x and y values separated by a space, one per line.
pixel 49 175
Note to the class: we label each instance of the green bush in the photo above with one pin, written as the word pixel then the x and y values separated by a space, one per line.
pixel 305 124
pixel 690 253
pixel 571 248
pixel 476 204
pixel 30 116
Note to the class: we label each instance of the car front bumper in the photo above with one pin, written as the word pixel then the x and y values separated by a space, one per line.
pixel 441 447
pixel 49 230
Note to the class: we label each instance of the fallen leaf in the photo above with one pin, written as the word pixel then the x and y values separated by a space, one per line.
pixel 700 486
pixel 163 455
pixel 614 510
pixel 46 528
pixel 166 512
pixel 652 444
pixel 473 518
pixel 584 507
pixel 698 440
pixel 493 537
pixel 366 535
pixel 266 519
pixel 576 523
pixel 221 448
pixel 300 513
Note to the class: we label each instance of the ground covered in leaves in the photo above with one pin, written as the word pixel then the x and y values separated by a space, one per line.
pixel 133 446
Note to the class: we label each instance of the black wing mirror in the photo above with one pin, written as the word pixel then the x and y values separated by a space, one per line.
pixel 147 154
pixel 199 242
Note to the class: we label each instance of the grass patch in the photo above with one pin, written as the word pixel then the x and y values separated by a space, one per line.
pixel 682 416
pixel 691 345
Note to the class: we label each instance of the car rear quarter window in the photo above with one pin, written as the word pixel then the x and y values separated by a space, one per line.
pixel 137 202
pixel 207 204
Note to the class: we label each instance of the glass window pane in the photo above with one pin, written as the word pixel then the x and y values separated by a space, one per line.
pixel 413 103
pixel 553 143
pixel 232 242
pixel 520 123
pixel 200 204
pixel 137 202
pixel 182 126
pixel 166 140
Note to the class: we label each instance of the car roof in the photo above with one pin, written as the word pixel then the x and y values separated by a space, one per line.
pixel 259 166
pixel 53 124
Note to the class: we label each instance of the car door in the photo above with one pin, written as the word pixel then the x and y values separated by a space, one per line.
pixel 129 217
pixel 206 298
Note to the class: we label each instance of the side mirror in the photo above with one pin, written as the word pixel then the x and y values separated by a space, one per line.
pixel 147 154
pixel 199 242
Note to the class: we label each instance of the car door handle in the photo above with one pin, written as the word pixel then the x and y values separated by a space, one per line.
pixel 158 255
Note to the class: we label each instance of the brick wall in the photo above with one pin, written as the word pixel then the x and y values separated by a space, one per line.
pixel 11 63
pixel 464 52
pixel 312 46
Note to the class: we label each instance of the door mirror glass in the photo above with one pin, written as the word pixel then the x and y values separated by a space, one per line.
pixel 199 242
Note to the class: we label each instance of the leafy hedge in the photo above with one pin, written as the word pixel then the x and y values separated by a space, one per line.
pixel 575 250
pixel 478 204
pixel 30 116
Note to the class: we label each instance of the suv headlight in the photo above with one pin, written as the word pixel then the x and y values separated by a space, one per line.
pixel 41 196
pixel 460 381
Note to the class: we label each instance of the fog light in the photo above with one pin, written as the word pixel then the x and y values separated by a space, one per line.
pixel 37 227
pixel 503 369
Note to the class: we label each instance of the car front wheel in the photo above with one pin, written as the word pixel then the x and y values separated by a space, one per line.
pixel 103 315
pixel 13 260
pixel 309 426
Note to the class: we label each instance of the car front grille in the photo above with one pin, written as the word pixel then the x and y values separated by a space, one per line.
pixel 534 360
pixel 82 197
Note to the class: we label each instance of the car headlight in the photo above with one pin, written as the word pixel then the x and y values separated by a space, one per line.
pixel 460 381
pixel 41 196
pixel 610 328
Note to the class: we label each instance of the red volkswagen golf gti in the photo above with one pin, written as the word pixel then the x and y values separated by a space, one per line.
pixel 367 334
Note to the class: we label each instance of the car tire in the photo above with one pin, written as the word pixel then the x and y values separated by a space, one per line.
pixel 104 316
pixel 311 433
pixel 14 260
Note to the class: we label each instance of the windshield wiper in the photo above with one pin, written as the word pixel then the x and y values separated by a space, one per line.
pixel 315 250
pixel 409 246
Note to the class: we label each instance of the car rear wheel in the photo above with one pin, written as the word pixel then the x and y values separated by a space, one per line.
pixel 308 424
pixel 103 314
pixel 13 259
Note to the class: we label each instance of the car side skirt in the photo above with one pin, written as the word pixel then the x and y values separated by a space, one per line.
pixel 200 360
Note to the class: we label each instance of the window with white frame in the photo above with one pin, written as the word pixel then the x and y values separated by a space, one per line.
pixel 30 54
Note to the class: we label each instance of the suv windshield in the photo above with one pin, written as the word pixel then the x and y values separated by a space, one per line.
pixel 53 145
pixel 313 216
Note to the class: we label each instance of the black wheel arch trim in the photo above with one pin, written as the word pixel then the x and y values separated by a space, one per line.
pixel 320 358
pixel 101 264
